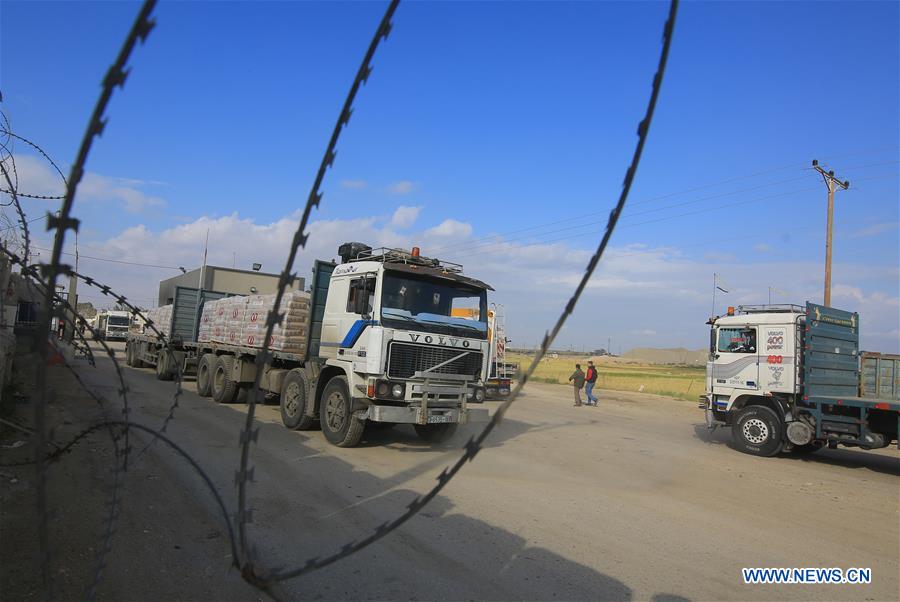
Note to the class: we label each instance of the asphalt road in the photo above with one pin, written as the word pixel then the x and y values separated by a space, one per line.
pixel 631 500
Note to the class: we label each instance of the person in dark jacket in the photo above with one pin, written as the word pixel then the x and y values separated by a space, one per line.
pixel 577 379
pixel 590 380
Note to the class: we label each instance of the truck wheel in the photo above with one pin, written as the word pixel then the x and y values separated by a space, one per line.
pixel 338 424
pixel 435 433
pixel 224 389
pixel 293 402
pixel 758 431
pixel 164 369
pixel 136 361
pixel 204 374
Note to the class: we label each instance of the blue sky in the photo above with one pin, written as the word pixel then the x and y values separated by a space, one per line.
pixel 487 120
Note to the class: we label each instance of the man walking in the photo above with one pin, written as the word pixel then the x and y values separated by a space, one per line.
pixel 577 379
pixel 590 380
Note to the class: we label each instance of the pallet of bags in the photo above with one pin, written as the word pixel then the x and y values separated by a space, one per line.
pixel 291 335
pixel 217 333
pixel 231 319
pixel 207 318
pixel 162 320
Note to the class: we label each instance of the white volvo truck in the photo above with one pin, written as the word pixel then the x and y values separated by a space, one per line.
pixel 385 346
pixel 786 378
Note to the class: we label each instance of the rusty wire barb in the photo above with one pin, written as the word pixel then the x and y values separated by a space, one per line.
pixel 475 444
pixel 115 77
pixel 274 317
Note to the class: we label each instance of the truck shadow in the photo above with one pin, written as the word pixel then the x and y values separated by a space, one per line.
pixel 313 505
pixel 474 560
pixel 446 555
pixel 844 457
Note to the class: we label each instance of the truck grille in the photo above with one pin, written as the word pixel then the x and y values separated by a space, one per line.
pixel 404 360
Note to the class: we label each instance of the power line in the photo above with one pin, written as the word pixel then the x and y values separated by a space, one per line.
pixel 135 263
pixel 670 217
pixel 489 239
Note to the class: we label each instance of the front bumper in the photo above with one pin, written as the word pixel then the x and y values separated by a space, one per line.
pixel 418 415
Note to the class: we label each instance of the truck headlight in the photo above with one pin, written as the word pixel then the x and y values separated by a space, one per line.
pixel 479 395
pixel 384 389
pixel 397 391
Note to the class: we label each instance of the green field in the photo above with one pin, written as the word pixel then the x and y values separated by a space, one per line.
pixel 680 382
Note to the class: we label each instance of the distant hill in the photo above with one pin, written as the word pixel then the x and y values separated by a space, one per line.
pixel 679 355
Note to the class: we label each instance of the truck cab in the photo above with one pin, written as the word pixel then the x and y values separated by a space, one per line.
pixel 113 325
pixel 786 378
pixel 407 333
pixel 751 354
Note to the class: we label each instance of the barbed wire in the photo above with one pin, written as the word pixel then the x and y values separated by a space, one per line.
pixel 263 577
pixel 274 317
pixel 10 134
pixel 242 551
pixel 115 77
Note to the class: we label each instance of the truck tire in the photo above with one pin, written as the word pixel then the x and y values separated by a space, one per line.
pixel 164 368
pixel 204 374
pixel 758 431
pixel 435 433
pixel 338 424
pixel 136 360
pixel 224 389
pixel 293 402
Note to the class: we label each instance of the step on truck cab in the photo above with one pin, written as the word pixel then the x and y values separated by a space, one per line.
pixel 786 378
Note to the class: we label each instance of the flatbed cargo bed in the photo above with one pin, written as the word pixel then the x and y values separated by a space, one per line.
pixel 212 347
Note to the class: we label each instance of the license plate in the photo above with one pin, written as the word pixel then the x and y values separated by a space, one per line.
pixel 437 418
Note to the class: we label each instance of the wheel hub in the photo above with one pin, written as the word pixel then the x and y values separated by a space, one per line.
pixel 334 411
pixel 755 431
pixel 292 395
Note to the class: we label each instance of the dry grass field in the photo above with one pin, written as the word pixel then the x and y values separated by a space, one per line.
pixel 680 382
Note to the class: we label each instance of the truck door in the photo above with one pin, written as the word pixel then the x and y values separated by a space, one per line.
pixel 736 361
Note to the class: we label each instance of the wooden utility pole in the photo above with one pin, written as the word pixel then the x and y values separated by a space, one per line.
pixel 833 184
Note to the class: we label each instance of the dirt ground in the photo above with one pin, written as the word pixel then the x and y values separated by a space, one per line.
pixel 633 500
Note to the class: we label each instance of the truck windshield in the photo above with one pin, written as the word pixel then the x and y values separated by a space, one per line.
pixel 118 321
pixel 434 305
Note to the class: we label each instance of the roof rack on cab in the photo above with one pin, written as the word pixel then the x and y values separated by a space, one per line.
pixel 389 255
pixel 771 309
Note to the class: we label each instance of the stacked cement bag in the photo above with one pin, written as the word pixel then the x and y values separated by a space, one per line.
pixel 241 321
pixel 161 318
pixel 207 317
pixel 292 334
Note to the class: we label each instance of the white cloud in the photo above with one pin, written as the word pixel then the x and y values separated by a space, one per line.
pixel 38 177
pixel 405 217
pixel 354 184
pixel 401 187
pixel 450 228
pixel 762 248
pixel 636 289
